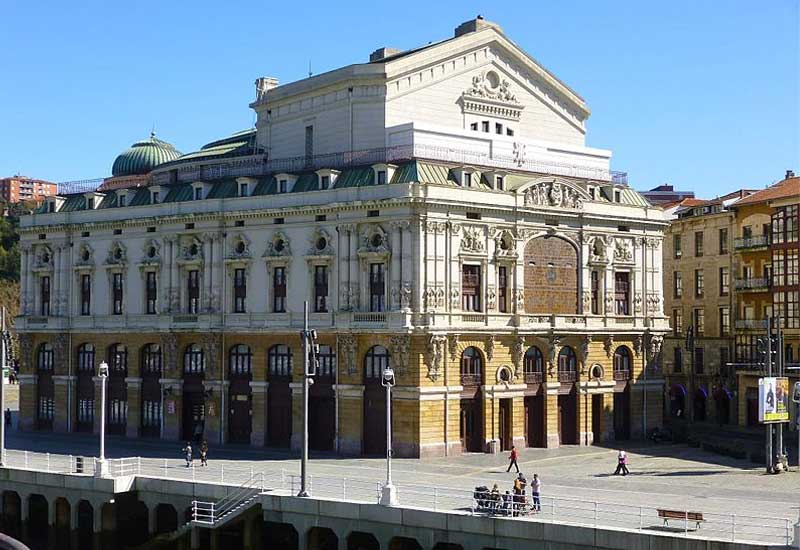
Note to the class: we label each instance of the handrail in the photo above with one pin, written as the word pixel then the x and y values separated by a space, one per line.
pixel 212 512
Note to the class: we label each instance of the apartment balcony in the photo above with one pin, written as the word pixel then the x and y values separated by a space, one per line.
pixel 622 375
pixel 533 377
pixel 567 376
pixel 751 324
pixel 760 284
pixel 750 243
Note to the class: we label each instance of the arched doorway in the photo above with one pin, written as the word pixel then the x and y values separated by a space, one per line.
pixel 279 396
pixel 117 391
pixel 322 538
pixel 46 392
pixel 166 518
pixel 357 540
pixel 85 525
pixel 61 528
pixel 376 361
pixel 12 514
pixel 85 389
pixel 38 522
pixel 622 394
pixel 240 373
pixel 722 400
pixel 567 397
pixel 194 368
pixel 471 406
pixel 322 405
pixel 699 403
pixel 551 276
pixel 533 371
pixel 677 401
pixel 151 371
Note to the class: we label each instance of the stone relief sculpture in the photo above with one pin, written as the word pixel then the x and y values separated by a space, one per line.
pixel 637 345
pixel 347 351
pixel 278 245
pixel 623 250
pixel 489 85
pixel 117 254
pixel 435 355
pixel 518 354
pixel 399 351
pixel 169 345
pixel 452 343
pixel 554 194
pixel 472 240
pixel 490 347
pixel 608 345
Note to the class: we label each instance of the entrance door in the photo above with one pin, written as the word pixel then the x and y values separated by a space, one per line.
pixel 321 417
pixel 240 419
pixel 597 418
pixel 279 413
pixel 193 414
pixel 374 419
pixel 534 421
pixel 622 414
pixel 505 424
pixel 568 419
pixel 471 425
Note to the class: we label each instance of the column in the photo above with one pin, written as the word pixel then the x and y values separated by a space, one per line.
pixel 66 277
pixel 27 401
pixel 174 283
pixel 394 273
pixel 97 523
pixel 208 262
pixel 218 253
pixel 63 404
pixel 552 438
pixel 23 280
pixel 258 434
pixel 408 266
pixel 152 520
pixel 353 278
pixel 55 291
pixel 342 273
pixel 134 406
pixel 30 285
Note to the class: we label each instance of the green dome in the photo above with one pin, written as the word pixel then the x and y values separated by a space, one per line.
pixel 143 156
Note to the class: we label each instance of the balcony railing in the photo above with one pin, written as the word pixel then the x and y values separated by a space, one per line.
pixel 624 374
pixel 743 243
pixel 470 379
pixel 751 324
pixel 533 377
pixel 760 283
pixel 567 376
pixel 80 186
pixel 259 165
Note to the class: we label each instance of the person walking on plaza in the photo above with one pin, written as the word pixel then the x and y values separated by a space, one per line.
pixel 536 488
pixel 622 463
pixel 188 451
pixel 204 453
pixel 512 459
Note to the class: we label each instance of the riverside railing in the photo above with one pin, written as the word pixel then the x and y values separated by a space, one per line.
pixel 598 514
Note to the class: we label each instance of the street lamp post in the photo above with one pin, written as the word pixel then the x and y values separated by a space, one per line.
pixel 310 355
pixel 102 467
pixel 3 356
pixel 389 491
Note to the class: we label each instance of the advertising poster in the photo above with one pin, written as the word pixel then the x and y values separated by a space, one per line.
pixel 773 400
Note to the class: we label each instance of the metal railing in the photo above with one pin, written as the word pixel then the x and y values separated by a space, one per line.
pixel 210 513
pixel 751 284
pixel 79 186
pixel 533 377
pixel 567 376
pixel 751 323
pixel 757 241
pixel 471 379
pixel 623 374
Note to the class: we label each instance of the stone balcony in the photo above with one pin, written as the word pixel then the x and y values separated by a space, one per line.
pixel 755 284
pixel 751 243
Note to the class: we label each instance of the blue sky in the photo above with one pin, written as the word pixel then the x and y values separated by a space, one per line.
pixel 699 93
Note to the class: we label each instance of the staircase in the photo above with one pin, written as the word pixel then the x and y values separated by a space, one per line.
pixel 215 514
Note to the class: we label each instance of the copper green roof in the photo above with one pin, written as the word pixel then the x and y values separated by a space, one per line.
pixel 143 156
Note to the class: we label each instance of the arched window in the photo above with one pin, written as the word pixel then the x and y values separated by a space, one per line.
pixel 533 365
pixel 327 361
pixel 280 360
pixel 194 360
pixel 471 367
pixel 375 362
pixel 240 360
pixel 117 359
pixel 44 358
pixel 622 363
pixel 567 365
pixel 151 359
pixel 86 357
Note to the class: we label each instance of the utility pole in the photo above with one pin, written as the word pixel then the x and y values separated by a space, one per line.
pixel 768 361
pixel 3 356
pixel 310 354
pixel 779 360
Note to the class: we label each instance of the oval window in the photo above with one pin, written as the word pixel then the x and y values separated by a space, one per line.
pixel 240 247
pixel 322 242
pixel 85 255
pixel 151 253
pixel 279 245
pixel 377 240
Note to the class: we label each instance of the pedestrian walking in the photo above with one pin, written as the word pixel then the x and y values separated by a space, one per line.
pixel 204 453
pixel 188 451
pixel 536 488
pixel 512 459
pixel 622 463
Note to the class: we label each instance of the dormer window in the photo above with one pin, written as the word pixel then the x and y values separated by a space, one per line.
pixel 198 193
pixel 499 183
pixel 381 177
pixel 283 186
pixel 327 178
pixel 467 179
pixel 383 173
pixel 498 128
pixel 155 197
pixel 122 199
pixel 284 182
pixel 90 203
pixel 325 182
pixel 244 189
pixel 617 196
pixel 592 193
pixel 51 207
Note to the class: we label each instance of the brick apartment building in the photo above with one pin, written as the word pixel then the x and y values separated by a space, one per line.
pixel 20 188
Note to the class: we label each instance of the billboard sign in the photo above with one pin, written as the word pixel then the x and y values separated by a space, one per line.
pixel 773 400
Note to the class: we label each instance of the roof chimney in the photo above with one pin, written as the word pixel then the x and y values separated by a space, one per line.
pixel 383 53
pixel 263 85
pixel 475 25
pixel 789 174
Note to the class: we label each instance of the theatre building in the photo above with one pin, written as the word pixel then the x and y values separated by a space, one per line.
pixel 440 212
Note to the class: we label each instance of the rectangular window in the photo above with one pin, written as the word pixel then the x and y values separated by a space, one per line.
pixel 198 193
pixel 724 281
pixel 595 292
pixel 699 361
pixel 698 244
pixel 279 290
pixel 676 245
pixel 498 128
pixel 325 182
pixel 321 288
pixel 116 285
pixel 467 179
pixel 154 196
pixel 677 284
pixel 381 177
pixel 151 292
pixel 485 126
pixel 622 293
pixel 309 144
pixel 44 289
pixel 677 363
pixel 377 287
pixel 724 321
pixel 121 200
pixel 193 291
pixel 86 294
pixel 723 240
pixel 471 288
pixel 86 411
pixel 509 132
pixel 699 283
pixel 699 322
pixel 283 186
pixel 239 290
pixel 502 286
pixel 46 408
pixel 473 126
pixel 677 321
pixel 244 189
pixel 151 413
pixel 499 183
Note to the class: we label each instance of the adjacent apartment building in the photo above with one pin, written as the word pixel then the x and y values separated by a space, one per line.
pixel 21 188
pixel 438 210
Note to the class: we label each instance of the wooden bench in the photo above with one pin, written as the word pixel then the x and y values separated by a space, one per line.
pixel 667 515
